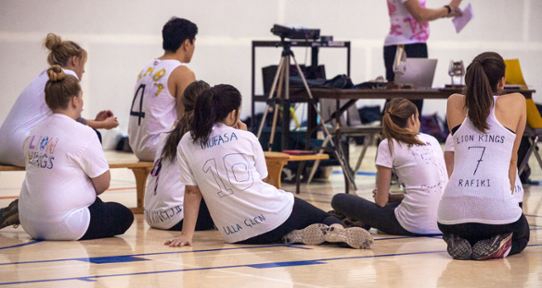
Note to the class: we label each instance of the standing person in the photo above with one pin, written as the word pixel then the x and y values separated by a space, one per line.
pixel 65 171
pixel 478 215
pixel 409 28
pixel 224 164
pixel 160 82
pixel 30 108
pixel 417 160
pixel 165 192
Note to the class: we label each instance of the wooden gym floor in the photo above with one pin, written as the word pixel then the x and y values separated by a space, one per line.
pixel 139 258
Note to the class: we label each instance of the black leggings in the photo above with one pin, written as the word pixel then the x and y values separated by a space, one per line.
pixel 416 50
pixel 107 220
pixel 205 222
pixel 474 232
pixel 381 218
pixel 303 215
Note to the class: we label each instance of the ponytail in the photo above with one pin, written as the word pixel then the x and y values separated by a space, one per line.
pixel 395 121
pixel 188 100
pixel 213 106
pixel 482 78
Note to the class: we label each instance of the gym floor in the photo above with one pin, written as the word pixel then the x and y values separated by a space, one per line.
pixel 139 258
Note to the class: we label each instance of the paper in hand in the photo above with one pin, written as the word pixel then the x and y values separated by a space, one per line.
pixel 461 21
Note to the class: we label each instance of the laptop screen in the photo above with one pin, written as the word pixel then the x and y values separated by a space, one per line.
pixel 419 72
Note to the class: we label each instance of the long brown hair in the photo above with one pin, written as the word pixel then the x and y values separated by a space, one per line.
pixel 60 88
pixel 62 51
pixel 213 106
pixel 482 77
pixel 395 121
pixel 188 100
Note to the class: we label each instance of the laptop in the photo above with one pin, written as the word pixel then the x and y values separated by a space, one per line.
pixel 419 72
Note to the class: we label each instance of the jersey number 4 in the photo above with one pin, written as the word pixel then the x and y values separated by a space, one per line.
pixel 139 114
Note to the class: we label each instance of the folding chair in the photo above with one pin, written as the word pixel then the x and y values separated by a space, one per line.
pixel 533 130
pixel 349 126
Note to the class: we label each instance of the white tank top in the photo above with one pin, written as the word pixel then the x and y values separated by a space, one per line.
pixel 479 188
pixel 153 108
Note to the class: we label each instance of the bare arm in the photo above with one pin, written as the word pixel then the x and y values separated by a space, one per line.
pixel 101 183
pixel 449 159
pixel 192 200
pixel 382 191
pixel 455 110
pixel 181 77
pixel 108 123
pixel 519 134
pixel 422 15
pixel 104 120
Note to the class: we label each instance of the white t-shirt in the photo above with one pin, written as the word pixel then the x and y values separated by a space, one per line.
pixel 153 108
pixel 421 170
pixel 479 188
pixel 518 188
pixel 404 29
pixel 29 110
pixel 61 157
pixel 164 195
pixel 228 171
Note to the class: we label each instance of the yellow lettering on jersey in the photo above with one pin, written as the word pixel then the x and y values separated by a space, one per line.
pixel 150 70
pixel 160 87
pixel 159 74
pixel 139 76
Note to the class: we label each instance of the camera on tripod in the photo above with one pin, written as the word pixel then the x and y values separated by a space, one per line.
pixel 295 33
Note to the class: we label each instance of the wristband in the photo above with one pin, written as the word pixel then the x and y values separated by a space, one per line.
pixel 449 9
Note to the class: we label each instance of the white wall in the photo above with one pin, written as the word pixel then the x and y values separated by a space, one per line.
pixel 121 36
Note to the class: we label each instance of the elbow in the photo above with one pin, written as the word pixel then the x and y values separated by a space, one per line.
pixel 420 19
pixel 102 189
pixel 381 203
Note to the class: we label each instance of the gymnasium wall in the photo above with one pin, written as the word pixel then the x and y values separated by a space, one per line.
pixel 121 36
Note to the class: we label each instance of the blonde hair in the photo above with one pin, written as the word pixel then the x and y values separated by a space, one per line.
pixel 60 88
pixel 62 51
pixel 395 121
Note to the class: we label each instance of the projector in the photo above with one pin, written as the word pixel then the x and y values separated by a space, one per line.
pixel 295 33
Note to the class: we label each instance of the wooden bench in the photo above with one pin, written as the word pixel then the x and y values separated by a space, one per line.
pixel 141 170
pixel 276 160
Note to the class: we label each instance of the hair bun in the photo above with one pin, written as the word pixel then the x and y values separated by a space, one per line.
pixel 56 73
pixel 52 41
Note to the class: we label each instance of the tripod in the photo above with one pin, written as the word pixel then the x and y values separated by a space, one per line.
pixel 283 77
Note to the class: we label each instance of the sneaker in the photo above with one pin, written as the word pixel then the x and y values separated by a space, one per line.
pixel 10 215
pixel 354 237
pixel 310 235
pixel 458 247
pixel 496 247
pixel 348 222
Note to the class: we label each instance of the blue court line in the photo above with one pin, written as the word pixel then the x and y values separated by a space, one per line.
pixel 361 173
pixel 528 215
pixel 255 266
pixel 135 257
pixel 20 245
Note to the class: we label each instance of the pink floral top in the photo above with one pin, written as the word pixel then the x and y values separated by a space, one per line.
pixel 404 28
